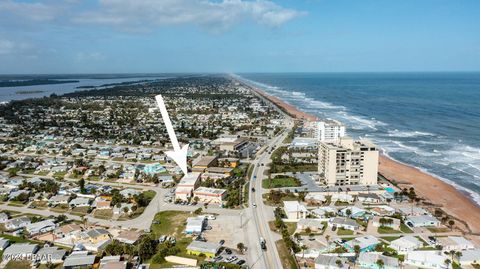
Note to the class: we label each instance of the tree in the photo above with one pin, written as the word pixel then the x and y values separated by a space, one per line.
pixel 380 263
pixel 308 230
pixel 146 247
pixel 303 247
pixel 338 263
pixel 240 247
pixel 348 212
pixel 448 262
pixel 81 185
pixel 451 223
pixel 198 211
pixel 356 249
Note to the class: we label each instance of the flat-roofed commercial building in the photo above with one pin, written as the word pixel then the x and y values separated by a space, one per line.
pixel 210 195
pixel 348 162
pixel 187 184
pixel 205 162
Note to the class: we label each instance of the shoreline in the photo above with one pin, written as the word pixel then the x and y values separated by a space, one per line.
pixel 432 189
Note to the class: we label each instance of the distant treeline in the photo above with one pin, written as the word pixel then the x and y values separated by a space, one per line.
pixel 117 84
pixel 32 82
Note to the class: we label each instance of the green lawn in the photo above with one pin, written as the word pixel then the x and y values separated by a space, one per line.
pixel 40 204
pixel 16 203
pixel 387 230
pixel 18 265
pixel 280 182
pixel 405 229
pixel 80 211
pixel 390 238
pixel 342 231
pixel 103 213
pixel 438 230
pixel 287 259
pixel 173 223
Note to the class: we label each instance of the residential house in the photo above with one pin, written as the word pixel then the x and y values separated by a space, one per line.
pixel 331 262
pixel 369 198
pixel 370 260
pixel 17 223
pixel 355 212
pixel 367 243
pixel 4 243
pixel 406 243
pixel 294 210
pixel 344 223
pixel 456 243
pixel 58 200
pixel 388 222
pixel 79 259
pixel 432 259
pixel 40 227
pixel 469 257
pixel 315 225
pixel 422 221
pixel 52 255
pixel 79 202
pixel 19 251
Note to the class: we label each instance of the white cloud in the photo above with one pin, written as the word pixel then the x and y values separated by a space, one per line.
pixel 38 12
pixel 219 15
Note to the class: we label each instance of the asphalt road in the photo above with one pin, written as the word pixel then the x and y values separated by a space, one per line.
pixel 261 214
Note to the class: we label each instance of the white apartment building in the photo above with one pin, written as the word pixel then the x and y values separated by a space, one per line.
pixel 325 131
pixel 348 162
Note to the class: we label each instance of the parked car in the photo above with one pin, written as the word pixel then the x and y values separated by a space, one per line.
pixel 241 262
pixel 162 239
pixel 221 242
pixel 228 251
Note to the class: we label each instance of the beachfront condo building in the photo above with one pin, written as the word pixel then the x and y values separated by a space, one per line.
pixel 325 131
pixel 347 162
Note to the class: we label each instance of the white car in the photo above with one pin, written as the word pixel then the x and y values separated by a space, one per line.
pixel 211 217
pixel 254 205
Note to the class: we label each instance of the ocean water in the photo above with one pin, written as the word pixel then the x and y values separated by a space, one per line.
pixel 427 120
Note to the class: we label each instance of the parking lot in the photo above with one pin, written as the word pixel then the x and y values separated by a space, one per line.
pixel 226 228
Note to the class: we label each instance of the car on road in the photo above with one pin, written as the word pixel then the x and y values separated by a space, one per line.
pixel 253 189
pixel 221 242
pixel 208 228
pixel 263 243
pixel 254 205
pixel 211 217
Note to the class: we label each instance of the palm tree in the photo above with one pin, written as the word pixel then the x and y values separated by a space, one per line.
pixel 448 262
pixel 458 254
pixel 327 237
pixel 303 247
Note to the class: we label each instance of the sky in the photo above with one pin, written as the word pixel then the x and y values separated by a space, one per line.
pixel 155 36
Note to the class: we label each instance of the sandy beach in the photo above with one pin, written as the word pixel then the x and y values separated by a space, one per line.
pixel 428 187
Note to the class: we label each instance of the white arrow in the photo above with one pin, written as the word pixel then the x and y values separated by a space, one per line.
pixel 179 155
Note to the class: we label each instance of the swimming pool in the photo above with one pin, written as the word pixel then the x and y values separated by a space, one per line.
pixel 390 189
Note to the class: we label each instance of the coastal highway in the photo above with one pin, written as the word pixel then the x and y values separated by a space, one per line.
pixel 261 214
